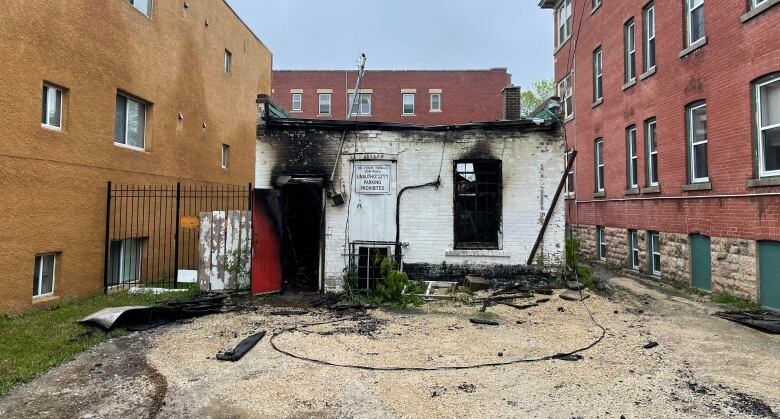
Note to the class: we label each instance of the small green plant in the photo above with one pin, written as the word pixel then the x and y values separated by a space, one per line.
pixel 236 263
pixel 393 289
pixel 734 301
pixel 575 269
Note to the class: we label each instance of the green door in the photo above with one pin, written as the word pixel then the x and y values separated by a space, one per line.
pixel 701 262
pixel 769 274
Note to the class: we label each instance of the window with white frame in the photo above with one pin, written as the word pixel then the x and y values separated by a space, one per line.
pixel 408 103
pixel 130 122
pixel 768 124
pixel 566 94
pixel 632 158
pixel 755 3
pixel 324 104
pixel 570 174
pixel 125 261
pixel 362 105
pixel 43 279
pixel 228 61
pixel 144 6
pixel 629 48
pixel 601 243
pixel 697 143
pixel 51 107
pixel 655 253
pixel 598 92
pixel 224 160
pixel 435 102
pixel 596 4
pixel 564 19
pixel 652 152
pixel 599 154
pixel 648 18
pixel 297 102
pixel 633 250
pixel 694 21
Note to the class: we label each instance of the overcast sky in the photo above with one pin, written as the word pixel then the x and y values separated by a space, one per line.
pixel 405 34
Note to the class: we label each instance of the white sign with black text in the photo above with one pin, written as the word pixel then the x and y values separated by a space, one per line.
pixel 372 178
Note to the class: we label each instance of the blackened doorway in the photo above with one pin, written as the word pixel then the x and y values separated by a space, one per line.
pixel 302 209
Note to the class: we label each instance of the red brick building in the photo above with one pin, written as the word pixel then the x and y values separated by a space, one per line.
pixel 415 97
pixel 673 107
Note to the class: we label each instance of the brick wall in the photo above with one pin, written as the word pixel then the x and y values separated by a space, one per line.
pixel 720 73
pixel 466 96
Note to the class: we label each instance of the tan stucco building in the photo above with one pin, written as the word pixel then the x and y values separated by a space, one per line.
pixel 129 91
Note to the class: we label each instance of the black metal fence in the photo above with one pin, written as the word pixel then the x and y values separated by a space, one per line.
pixel 153 231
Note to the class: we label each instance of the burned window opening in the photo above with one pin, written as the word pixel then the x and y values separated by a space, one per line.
pixel 477 203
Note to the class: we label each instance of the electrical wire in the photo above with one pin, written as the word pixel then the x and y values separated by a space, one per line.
pixel 422 369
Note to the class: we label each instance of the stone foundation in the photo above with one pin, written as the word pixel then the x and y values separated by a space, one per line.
pixel 734 261
pixel 735 267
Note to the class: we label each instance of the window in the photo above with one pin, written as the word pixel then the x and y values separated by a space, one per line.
pixel 368 266
pixel 569 175
pixel 563 13
pixel 130 122
pixel 756 3
pixel 694 20
pixel 408 103
pixel 768 120
pixel 566 93
pixel 598 92
pixel 632 158
pixel 633 250
pixel 324 108
pixel 297 102
pixel 596 4
pixel 629 48
pixel 649 36
pixel 655 253
pixel 225 149
pixel 652 152
pixel 435 102
pixel 144 6
pixel 599 154
pixel 362 106
pixel 51 107
pixel 601 243
pixel 43 280
pixel 125 259
pixel 477 204
pixel 228 61
pixel 697 142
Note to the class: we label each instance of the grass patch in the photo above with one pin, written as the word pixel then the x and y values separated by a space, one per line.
pixel 736 302
pixel 34 342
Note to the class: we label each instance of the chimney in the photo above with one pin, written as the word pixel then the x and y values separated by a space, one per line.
pixel 511 95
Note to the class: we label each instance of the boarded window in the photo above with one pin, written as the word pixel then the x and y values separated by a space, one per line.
pixel 477 204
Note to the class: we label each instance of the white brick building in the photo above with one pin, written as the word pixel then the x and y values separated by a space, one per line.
pixel 473 198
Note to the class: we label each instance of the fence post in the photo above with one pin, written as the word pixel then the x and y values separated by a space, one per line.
pixel 108 238
pixel 176 238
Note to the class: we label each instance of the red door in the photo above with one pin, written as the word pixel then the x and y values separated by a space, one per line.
pixel 266 242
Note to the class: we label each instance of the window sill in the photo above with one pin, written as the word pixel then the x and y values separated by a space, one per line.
pixel 130 147
pixel 478 252
pixel 597 103
pixel 631 191
pixel 651 189
pixel 702 186
pixel 408 114
pixel 694 46
pixel 561 45
pixel 629 84
pixel 51 128
pixel 647 73
pixel 435 111
pixel 43 299
pixel 296 111
pixel 768 181
pixel 599 194
pixel 595 9
pixel 758 10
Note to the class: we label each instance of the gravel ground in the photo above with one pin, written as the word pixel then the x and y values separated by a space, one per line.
pixel 703 366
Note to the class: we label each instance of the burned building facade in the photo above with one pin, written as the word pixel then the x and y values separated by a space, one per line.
pixel 442 200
